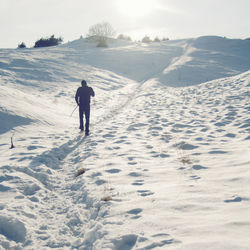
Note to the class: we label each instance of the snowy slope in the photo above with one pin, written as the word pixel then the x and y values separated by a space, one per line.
pixel 174 63
pixel 163 167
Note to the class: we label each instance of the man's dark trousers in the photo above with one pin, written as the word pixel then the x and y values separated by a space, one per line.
pixel 84 110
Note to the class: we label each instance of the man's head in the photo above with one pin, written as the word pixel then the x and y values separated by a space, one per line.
pixel 84 83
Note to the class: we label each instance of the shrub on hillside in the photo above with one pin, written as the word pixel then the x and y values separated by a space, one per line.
pixel 157 39
pixel 102 43
pixel 46 42
pixel 101 31
pixel 146 39
pixel 165 39
pixel 124 37
pixel 22 45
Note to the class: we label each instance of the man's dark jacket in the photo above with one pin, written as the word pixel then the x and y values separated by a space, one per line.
pixel 83 94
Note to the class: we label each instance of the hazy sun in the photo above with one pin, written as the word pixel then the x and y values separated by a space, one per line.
pixel 135 8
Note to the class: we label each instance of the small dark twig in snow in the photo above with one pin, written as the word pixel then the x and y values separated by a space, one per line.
pixel 11 141
pixel 80 171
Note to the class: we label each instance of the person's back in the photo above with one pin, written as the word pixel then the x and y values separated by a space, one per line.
pixel 82 97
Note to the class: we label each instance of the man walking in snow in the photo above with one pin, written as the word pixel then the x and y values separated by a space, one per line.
pixel 82 97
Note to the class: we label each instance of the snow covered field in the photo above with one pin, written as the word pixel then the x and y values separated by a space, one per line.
pixel 166 165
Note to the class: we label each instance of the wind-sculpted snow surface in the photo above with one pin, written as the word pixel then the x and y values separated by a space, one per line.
pixel 163 167
pixel 175 63
pixel 205 59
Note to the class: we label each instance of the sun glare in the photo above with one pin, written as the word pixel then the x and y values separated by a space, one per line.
pixel 135 8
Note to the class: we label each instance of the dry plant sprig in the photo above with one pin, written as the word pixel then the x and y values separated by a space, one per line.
pixel 80 171
pixel 11 141
pixel 185 160
pixel 183 157
pixel 107 198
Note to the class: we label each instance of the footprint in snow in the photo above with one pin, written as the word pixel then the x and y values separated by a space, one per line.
pixel 204 129
pixel 4 188
pixel 185 146
pixel 135 212
pixel 199 139
pixel 25 158
pixel 138 183
pixel 247 138
pixel 181 168
pixel 125 242
pixel 234 199
pixel 109 135
pixel 34 147
pixel 231 135
pixel 217 152
pixel 134 174
pixel 195 177
pixel 132 163
pixel 158 128
pixel 161 155
pixel 100 182
pixel 245 125
pixel 221 124
pixel 198 167
pixel 113 171
pixel 120 141
pixel 144 193
pixel 166 239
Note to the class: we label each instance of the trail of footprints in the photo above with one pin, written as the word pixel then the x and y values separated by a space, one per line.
pixel 177 129
pixel 180 126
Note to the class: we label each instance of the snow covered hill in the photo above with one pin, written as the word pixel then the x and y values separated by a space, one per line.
pixel 164 167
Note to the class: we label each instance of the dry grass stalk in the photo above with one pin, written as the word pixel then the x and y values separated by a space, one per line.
pixel 80 171
pixel 107 198
pixel 11 141
pixel 185 160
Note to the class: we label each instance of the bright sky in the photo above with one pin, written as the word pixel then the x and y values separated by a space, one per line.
pixel 29 20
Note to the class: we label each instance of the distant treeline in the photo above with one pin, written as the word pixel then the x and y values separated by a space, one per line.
pixel 100 31
pixel 44 42
pixel 53 41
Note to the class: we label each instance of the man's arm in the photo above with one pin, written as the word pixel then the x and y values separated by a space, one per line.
pixel 77 97
pixel 92 93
